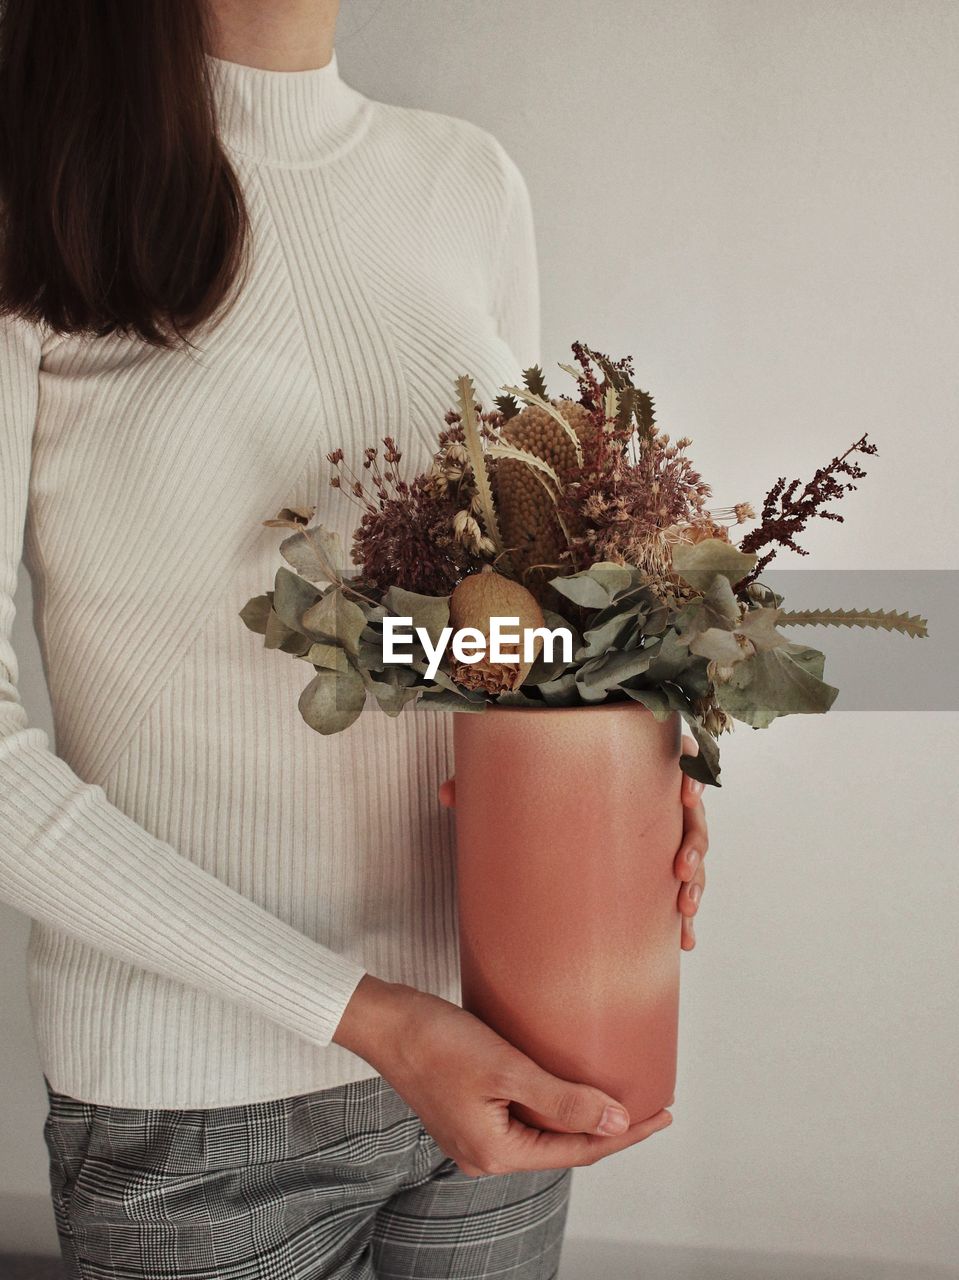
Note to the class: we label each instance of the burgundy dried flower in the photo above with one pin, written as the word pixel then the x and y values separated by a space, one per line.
pixel 787 509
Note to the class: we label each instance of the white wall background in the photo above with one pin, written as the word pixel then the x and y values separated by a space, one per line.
pixel 759 199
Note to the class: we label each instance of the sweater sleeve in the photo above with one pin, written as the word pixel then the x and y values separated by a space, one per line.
pixel 75 861
pixel 516 304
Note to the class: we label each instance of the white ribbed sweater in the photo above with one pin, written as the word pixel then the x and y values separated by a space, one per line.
pixel 209 878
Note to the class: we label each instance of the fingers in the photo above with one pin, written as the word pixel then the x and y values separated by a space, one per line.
pixel 691 789
pixel 691 893
pixel 688 865
pixel 537 1149
pixel 694 844
pixel 576 1108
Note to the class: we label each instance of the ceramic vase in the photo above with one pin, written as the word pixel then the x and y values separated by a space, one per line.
pixel 568 821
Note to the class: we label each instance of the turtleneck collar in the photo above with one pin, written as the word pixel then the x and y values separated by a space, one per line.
pixel 287 117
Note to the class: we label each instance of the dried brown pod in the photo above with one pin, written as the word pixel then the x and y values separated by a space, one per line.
pixel 478 599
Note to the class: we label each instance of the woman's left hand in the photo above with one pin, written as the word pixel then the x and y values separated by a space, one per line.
pixel 688 866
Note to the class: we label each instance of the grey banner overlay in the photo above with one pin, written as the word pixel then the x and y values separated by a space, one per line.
pixel 878 670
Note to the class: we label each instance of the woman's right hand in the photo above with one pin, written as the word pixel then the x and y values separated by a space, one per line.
pixel 460 1077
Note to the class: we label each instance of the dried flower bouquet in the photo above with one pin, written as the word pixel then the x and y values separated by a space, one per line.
pixel 567 512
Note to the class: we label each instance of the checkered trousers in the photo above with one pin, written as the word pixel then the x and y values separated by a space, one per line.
pixel 344 1183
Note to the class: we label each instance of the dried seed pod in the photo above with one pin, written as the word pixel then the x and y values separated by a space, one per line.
pixel 527 515
pixel 478 599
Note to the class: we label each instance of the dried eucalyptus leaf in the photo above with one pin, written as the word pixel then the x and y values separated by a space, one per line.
pixel 292 596
pixel 430 612
pixel 653 699
pixel 392 695
pixel 704 767
pixel 720 608
pixel 279 636
pixel 718 646
pixel 441 680
pixel 621 631
pixel 774 682
pixel 563 692
pixel 256 612
pixel 369 654
pixel 315 552
pixel 446 700
pixel 596 587
pixel 543 671
pixel 333 617
pixel 671 661
pixel 329 656
pixel 615 578
pixel 395 676
pixel 811 660
pixel 332 700
pixel 600 675
pixel 622 625
pixel 759 626
pixel 555 620
pixel 698 563
pixel 517 698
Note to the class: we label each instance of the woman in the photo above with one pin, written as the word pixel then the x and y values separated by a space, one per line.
pixel 218 260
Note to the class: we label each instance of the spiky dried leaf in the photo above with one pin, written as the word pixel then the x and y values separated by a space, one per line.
pixel 474 448
pixel 507 405
pixel 535 381
pixel 906 623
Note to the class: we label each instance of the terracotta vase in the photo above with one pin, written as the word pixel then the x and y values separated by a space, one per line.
pixel 568 822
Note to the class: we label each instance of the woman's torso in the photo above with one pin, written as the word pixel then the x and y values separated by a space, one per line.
pixel 369 292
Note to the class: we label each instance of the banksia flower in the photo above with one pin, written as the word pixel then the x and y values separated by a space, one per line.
pixel 532 533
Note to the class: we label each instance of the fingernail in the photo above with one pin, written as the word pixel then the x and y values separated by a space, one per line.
pixel 695 893
pixel 691 857
pixel 615 1120
pixel 697 787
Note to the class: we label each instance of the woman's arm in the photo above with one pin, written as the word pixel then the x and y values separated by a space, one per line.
pixel 70 858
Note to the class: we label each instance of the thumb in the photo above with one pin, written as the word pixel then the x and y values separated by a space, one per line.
pixel 575 1108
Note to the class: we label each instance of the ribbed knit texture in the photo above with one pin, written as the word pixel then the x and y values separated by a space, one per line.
pixel 209 878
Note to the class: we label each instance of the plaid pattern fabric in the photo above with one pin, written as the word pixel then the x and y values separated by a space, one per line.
pixel 342 1184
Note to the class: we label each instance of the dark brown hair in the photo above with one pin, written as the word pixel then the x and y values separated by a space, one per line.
pixel 119 211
